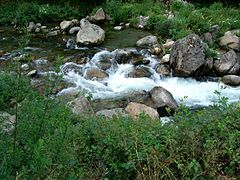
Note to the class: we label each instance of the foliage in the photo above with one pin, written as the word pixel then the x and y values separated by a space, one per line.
pixel 26 12
pixel 52 143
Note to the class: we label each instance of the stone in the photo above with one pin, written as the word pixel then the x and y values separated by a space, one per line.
pixel 110 113
pixel 163 70
pixel 140 72
pixel 123 56
pixel 66 25
pixel 135 109
pixel 214 30
pixel 162 99
pixel 95 73
pixel 147 41
pixel 37 30
pixel 231 41
pixel 38 25
pixel 207 37
pixel 127 25
pixel 142 21
pixel 90 34
pixel 31 27
pixel 168 45
pixel 99 15
pixel 165 59
pixel 231 80
pixel 228 64
pixel 71 43
pixel 25 67
pixel 43 27
pixel 118 28
pixel 187 56
pixel 81 106
pixel 53 33
pixel 32 73
pixel 71 67
pixel 156 49
pixel 75 22
pixel 74 30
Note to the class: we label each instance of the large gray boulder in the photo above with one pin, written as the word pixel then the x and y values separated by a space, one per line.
pixel 90 34
pixel 228 64
pixel 230 40
pixel 147 41
pixel 231 80
pixel 162 98
pixel 135 109
pixel 187 55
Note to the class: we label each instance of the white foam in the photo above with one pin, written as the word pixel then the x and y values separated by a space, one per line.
pixel 118 84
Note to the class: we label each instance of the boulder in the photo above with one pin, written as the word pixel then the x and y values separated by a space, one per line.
pixel 66 25
pixel 231 41
pixel 90 34
pixel 228 64
pixel 95 73
pixel 135 109
pixel 187 55
pixel 99 15
pixel 123 56
pixel 81 106
pixel 74 30
pixel 231 80
pixel 140 72
pixel 147 41
pixel 109 113
pixel 162 99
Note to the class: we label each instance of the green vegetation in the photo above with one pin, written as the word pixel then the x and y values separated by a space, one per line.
pixel 47 141
pixel 187 17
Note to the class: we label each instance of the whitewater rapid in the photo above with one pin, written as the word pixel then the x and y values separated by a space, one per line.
pixel 118 84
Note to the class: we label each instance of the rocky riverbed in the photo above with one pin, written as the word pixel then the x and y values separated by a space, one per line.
pixel 123 68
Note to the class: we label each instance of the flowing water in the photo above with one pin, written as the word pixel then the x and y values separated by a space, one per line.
pixel 118 84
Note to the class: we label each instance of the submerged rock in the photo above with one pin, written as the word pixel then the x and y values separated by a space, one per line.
pixel 187 55
pixel 90 34
pixel 95 73
pixel 123 56
pixel 228 64
pixel 163 70
pixel 140 72
pixel 231 80
pixel 135 109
